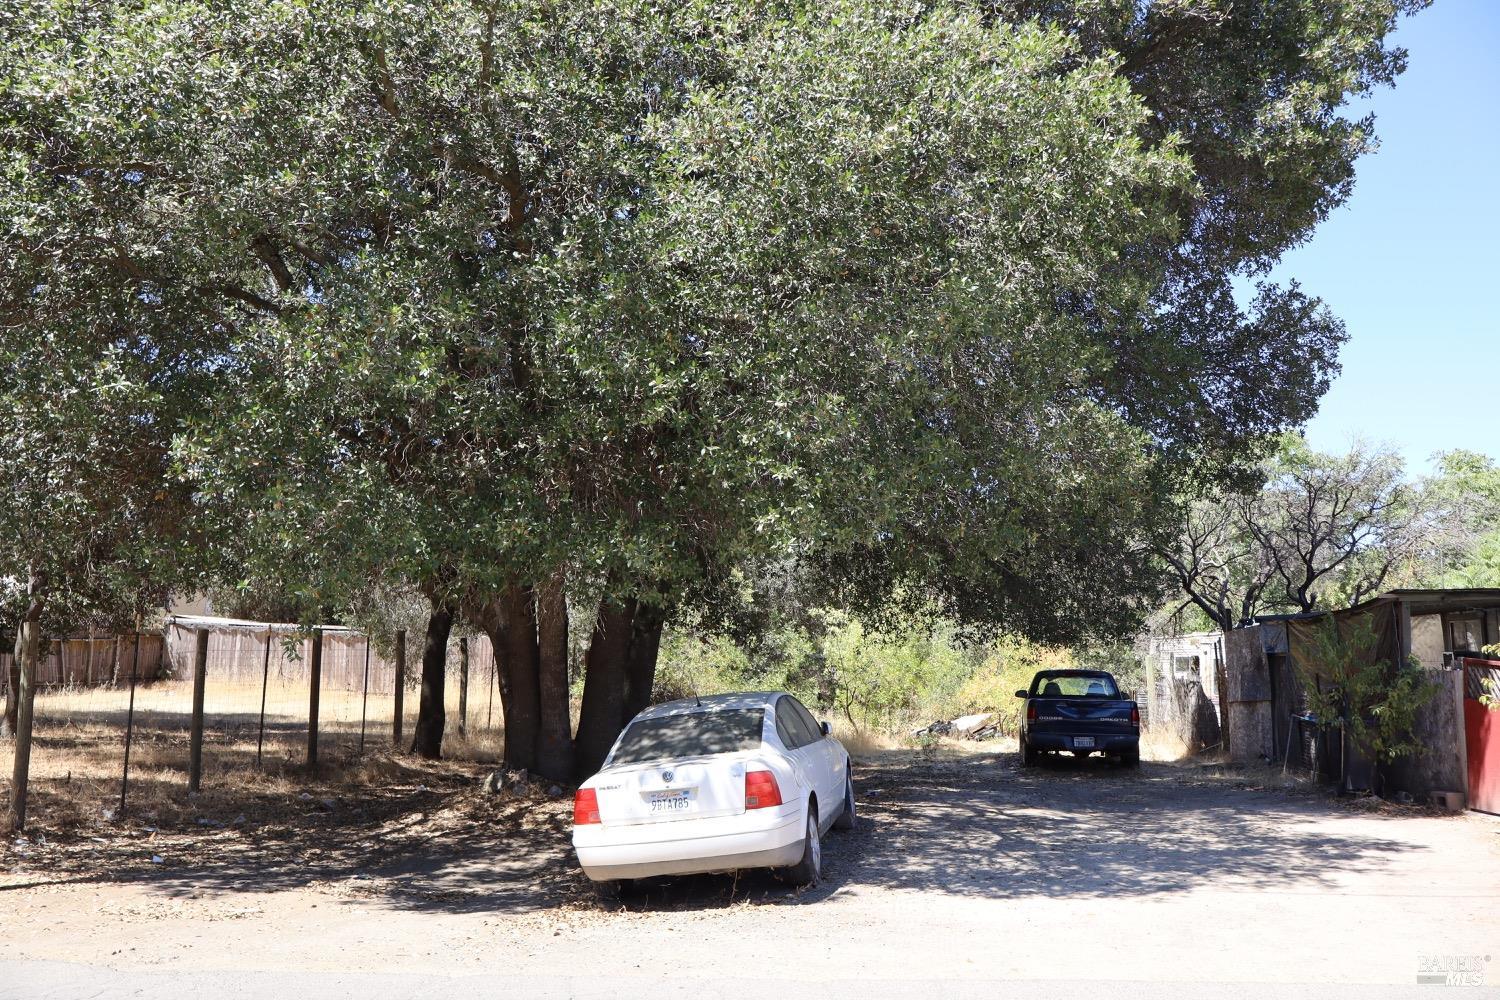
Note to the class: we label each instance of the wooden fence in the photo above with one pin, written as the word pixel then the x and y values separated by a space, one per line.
pixel 237 655
pixel 95 661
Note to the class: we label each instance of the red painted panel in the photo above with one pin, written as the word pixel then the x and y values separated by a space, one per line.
pixel 1482 737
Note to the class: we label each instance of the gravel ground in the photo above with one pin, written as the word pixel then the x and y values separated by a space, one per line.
pixel 968 872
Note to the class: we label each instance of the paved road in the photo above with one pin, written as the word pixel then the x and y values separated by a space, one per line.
pixel 64 981
pixel 969 876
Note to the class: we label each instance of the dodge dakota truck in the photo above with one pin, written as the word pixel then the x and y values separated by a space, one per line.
pixel 1080 712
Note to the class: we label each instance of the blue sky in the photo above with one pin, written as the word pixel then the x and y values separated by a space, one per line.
pixel 1411 261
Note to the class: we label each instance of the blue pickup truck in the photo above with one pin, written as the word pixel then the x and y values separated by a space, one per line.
pixel 1080 712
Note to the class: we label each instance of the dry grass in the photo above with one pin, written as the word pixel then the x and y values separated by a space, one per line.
pixel 169 704
pixel 1162 745
pixel 353 826
pixel 78 752
pixel 863 743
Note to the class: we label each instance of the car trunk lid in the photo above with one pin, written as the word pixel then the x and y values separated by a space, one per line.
pixel 668 791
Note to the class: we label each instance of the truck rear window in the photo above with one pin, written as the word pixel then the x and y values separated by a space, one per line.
pixel 1100 686
pixel 694 734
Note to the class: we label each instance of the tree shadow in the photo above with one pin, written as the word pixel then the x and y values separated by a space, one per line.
pixel 987 827
pixel 981 827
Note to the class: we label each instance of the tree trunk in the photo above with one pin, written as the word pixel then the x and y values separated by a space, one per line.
pixel 554 749
pixel 12 689
pixel 640 666
pixel 603 712
pixel 27 642
pixel 427 740
pixel 523 707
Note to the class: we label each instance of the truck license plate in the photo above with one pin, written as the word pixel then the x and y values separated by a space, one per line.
pixel 1083 742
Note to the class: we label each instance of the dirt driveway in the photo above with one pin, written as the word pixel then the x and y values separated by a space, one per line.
pixel 966 867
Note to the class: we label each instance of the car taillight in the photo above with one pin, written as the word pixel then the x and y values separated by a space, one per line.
pixel 1030 713
pixel 585 807
pixel 761 790
pixel 1135 715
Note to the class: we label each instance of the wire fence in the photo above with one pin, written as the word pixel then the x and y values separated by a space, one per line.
pixel 104 701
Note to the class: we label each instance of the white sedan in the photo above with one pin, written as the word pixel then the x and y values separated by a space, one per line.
pixel 715 784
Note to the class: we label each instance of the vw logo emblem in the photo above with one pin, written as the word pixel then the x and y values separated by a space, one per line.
pixel 667 777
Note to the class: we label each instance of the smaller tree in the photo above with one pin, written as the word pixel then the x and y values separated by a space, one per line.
pixel 1215 562
pixel 1335 528
pixel 1347 683
pixel 1323 531
pixel 1465 500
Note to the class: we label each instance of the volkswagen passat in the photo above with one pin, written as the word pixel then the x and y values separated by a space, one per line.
pixel 715 784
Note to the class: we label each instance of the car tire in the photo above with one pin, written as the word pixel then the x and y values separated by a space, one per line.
pixel 847 819
pixel 1028 754
pixel 807 871
pixel 609 890
pixel 1131 758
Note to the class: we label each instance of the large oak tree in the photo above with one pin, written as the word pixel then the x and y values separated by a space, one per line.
pixel 529 303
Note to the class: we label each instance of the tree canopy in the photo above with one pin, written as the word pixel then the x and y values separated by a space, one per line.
pixel 524 304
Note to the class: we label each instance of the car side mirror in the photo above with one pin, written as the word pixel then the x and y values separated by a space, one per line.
pixel 1021 693
pixel 827 729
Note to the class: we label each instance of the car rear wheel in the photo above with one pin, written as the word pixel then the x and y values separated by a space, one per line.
pixel 1131 758
pixel 1028 755
pixel 810 868
pixel 846 818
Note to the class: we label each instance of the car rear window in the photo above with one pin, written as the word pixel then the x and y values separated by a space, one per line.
pixel 1098 686
pixel 694 734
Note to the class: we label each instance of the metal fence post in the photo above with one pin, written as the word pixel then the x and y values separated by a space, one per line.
pixel 265 682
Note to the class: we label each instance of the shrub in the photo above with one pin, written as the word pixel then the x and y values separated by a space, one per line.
pixel 1347 683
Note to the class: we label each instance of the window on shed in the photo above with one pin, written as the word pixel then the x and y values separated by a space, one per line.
pixel 1185 668
pixel 1465 635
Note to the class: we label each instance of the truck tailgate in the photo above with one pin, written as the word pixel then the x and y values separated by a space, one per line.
pixel 1104 716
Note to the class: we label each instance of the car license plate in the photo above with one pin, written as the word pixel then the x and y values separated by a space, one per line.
pixel 676 800
pixel 1083 742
